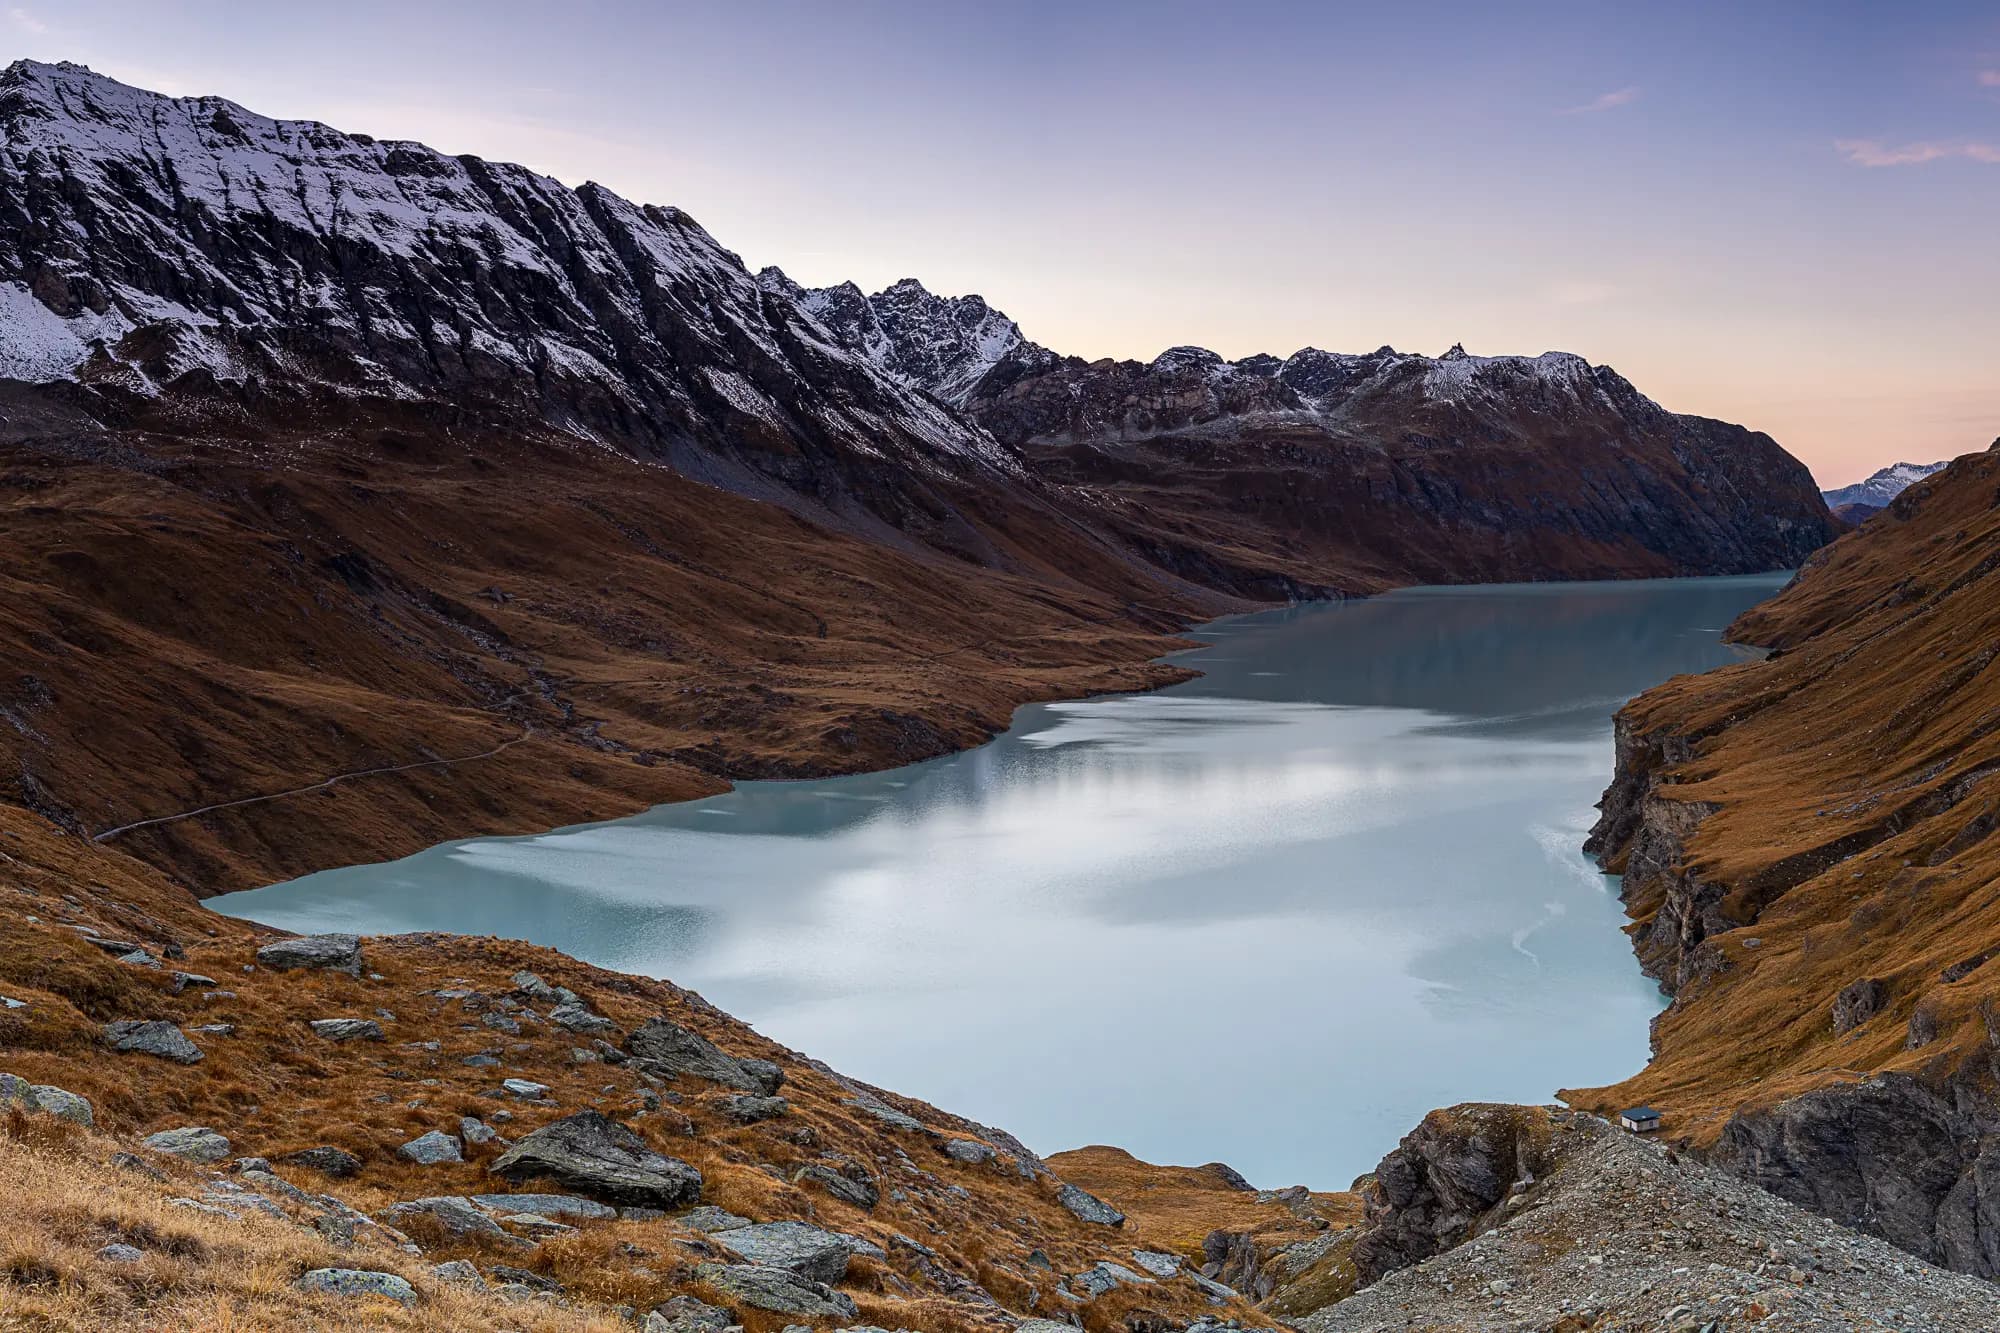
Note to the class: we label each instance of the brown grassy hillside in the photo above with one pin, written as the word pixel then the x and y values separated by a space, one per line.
pixel 193 624
pixel 1810 864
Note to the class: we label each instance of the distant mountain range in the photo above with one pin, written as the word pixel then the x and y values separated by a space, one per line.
pixel 1865 498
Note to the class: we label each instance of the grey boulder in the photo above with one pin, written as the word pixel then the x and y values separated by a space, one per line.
pixel 863 1194
pixel 578 1018
pixel 777 1290
pixel 332 953
pixel 710 1219
pixel 152 1037
pixel 347 1029
pixel 748 1110
pixel 970 1151
pixel 454 1213
pixel 1088 1207
pixel 552 1205
pixel 596 1156
pixel 325 1159
pixel 357 1282
pixel 672 1049
pixel 192 1143
pixel 808 1251
pixel 431 1149
pixel 48 1100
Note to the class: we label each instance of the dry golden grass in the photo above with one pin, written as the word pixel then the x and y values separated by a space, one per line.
pixel 200 1272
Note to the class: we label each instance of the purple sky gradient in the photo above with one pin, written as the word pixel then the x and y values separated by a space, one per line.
pixel 1777 213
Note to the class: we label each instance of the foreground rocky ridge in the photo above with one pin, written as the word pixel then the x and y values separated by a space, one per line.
pixel 398 1126
pixel 1807 851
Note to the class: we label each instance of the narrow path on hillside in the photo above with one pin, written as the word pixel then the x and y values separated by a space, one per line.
pixel 321 785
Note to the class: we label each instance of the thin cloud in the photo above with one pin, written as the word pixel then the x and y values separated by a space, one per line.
pixel 1621 97
pixel 26 21
pixel 1989 78
pixel 1875 153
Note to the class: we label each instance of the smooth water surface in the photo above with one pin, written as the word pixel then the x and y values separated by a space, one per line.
pixel 1271 916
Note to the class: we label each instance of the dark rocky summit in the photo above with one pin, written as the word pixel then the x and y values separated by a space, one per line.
pixel 1368 464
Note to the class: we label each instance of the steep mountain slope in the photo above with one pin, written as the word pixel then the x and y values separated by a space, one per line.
pixel 1808 851
pixel 1877 490
pixel 1355 472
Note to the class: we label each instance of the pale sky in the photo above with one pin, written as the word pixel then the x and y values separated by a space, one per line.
pixel 1782 214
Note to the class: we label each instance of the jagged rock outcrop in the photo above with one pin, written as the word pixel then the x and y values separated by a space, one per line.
pixel 1442 1183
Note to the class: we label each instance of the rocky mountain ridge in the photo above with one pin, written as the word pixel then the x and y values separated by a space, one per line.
pixel 1255 473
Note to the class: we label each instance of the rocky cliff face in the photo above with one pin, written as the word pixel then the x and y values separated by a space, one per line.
pixel 1807 849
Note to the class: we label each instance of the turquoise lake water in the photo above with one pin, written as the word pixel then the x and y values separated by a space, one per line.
pixel 1271 916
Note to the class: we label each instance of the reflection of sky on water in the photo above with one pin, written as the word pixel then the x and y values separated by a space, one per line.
pixel 1270 916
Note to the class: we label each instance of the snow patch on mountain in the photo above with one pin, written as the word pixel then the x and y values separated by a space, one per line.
pixel 38 344
pixel 1883 486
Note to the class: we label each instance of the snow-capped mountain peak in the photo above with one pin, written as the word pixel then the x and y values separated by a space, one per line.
pixel 943 345
pixel 1877 490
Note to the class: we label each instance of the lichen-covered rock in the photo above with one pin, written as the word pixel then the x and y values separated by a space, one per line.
pixel 325 1159
pixel 332 953
pixel 553 1205
pixel 777 1290
pixel 745 1109
pixel 862 1192
pixel 193 1143
pixel 453 1212
pixel 796 1247
pixel 45 1099
pixel 347 1029
pixel 357 1282
pixel 596 1156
